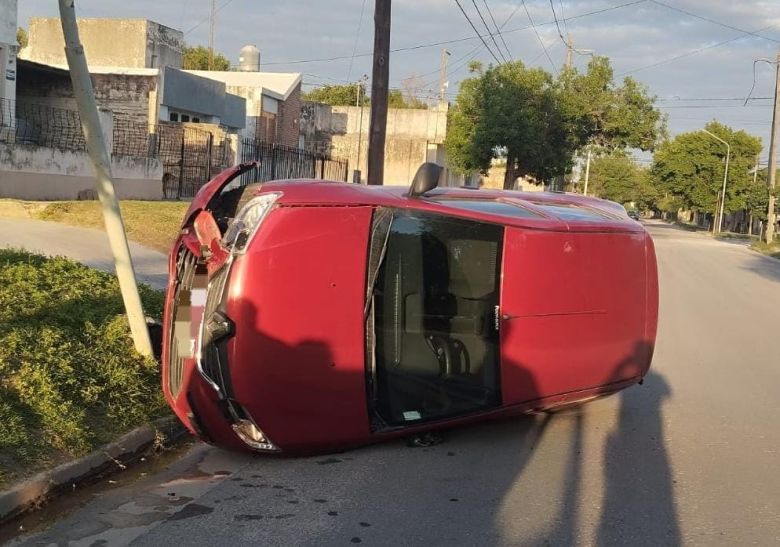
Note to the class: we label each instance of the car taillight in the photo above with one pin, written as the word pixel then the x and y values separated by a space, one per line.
pixel 248 220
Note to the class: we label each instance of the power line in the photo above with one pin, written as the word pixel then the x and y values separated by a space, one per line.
pixel 555 16
pixel 498 30
pixel 713 21
pixel 754 77
pixel 455 40
pixel 466 15
pixel 689 53
pixel 563 17
pixel 220 8
pixel 547 53
pixel 357 37
pixel 487 28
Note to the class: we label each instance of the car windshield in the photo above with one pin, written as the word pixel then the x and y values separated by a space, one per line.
pixel 435 344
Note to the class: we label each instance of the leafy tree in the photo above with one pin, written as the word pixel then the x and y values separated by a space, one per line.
pixel 618 178
pixel 514 112
pixel 690 168
pixel 21 37
pixel 397 99
pixel 610 116
pixel 538 123
pixel 338 95
pixel 197 58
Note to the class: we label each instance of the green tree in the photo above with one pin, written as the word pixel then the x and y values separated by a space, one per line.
pixel 538 123
pixel 513 112
pixel 21 37
pixel 338 95
pixel 197 58
pixel 397 99
pixel 610 116
pixel 618 178
pixel 690 168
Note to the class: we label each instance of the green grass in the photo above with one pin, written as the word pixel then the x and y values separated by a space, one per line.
pixel 70 379
pixel 771 249
pixel 151 223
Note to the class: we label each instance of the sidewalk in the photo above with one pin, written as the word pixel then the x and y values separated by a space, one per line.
pixel 90 247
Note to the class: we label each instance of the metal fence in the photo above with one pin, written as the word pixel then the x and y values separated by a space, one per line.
pixel 42 125
pixel 279 162
pixel 190 157
pixel 132 137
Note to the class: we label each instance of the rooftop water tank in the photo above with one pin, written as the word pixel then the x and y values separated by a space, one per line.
pixel 249 59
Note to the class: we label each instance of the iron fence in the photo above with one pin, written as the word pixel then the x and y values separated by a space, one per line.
pixel 191 157
pixel 41 125
pixel 132 138
pixel 279 162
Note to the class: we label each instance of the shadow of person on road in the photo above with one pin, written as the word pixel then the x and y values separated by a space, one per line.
pixel 639 506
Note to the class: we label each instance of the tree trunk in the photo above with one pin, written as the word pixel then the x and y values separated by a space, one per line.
pixel 511 173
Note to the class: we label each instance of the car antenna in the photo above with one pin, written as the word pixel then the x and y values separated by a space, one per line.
pixel 426 179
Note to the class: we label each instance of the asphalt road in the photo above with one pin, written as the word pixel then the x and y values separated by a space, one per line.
pixel 85 245
pixel 690 457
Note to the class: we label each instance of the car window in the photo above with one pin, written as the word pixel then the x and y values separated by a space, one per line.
pixel 433 342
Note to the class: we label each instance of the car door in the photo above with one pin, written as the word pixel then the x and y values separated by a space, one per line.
pixel 433 344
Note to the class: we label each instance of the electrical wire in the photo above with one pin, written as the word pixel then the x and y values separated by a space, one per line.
pixel 498 30
pixel 220 8
pixel 357 37
pixel 755 61
pixel 487 28
pixel 547 53
pixel 713 21
pixel 689 53
pixel 455 40
pixel 466 15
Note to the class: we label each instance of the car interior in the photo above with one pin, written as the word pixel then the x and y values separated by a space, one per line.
pixel 434 301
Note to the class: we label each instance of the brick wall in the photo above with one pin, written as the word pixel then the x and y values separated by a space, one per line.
pixel 288 127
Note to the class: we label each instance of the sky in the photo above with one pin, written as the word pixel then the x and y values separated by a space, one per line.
pixel 696 56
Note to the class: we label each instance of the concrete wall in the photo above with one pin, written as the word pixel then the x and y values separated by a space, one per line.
pixel 36 173
pixel 130 43
pixel 413 136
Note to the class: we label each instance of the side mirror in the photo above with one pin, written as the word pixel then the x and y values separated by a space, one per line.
pixel 426 179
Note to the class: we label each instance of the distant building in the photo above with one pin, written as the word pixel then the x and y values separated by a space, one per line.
pixel 126 43
pixel 135 67
pixel 273 101
pixel 8 50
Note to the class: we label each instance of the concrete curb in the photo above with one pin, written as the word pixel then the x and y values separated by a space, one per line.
pixel 107 459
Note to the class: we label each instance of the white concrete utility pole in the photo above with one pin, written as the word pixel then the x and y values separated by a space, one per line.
pixel 769 233
pixel 443 83
pixel 587 173
pixel 96 146
pixel 719 221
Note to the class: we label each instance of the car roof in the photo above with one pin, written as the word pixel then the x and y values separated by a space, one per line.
pixel 540 210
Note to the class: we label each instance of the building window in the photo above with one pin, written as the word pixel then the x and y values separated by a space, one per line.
pixel 185 118
pixel 195 120
pixel 173 116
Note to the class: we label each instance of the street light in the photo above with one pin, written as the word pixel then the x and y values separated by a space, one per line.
pixel 719 224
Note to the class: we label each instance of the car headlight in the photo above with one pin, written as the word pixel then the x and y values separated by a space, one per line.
pixel 253 436
pixel 247 222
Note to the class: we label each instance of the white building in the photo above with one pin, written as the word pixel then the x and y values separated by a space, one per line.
pixel 8 49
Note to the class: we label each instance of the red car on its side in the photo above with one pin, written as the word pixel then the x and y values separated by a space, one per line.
pixel 306 316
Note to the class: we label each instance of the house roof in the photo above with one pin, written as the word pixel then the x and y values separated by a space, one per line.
pixel 278 85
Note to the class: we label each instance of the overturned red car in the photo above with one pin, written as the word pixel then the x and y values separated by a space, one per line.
pixel 306 316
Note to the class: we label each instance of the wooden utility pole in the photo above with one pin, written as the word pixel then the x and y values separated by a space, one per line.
pixel 769 232
pixel 379 89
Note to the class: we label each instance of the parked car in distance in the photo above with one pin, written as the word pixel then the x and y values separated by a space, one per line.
pixel 308 316
pixel 634 215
